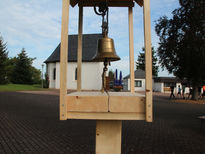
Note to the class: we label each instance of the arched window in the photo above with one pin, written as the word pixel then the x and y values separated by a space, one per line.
pixel 54 73
pixel 76 73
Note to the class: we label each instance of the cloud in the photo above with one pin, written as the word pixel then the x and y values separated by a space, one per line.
pixel 36 25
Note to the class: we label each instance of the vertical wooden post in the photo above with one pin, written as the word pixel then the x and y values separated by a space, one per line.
pixel 79 65
pixel 131 46
pixel 148 60
pixel 64 59
pixel 108 137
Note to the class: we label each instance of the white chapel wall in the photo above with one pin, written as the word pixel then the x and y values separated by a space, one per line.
pixel 91 75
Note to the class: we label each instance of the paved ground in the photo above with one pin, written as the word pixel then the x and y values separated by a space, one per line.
pixel 29 124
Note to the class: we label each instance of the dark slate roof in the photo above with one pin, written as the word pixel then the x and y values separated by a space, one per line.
pixel 89 48
pixel 168 79
pixel 139 74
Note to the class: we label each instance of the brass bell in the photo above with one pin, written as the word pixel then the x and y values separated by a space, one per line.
pixel 106 50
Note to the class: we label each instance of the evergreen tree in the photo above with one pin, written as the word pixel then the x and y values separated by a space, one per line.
pixel 182 42
pixel 3 62
pixel 22 71
pixel 140 63
pixel 10 68
pixel 36 75
pixel 111 75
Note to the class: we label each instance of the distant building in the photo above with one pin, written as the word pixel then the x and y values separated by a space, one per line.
pixel 91 71
pixel 162 84
pixel 159 84
pixel 139 81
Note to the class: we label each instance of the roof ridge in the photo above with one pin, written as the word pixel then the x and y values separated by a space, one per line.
pixel 89 48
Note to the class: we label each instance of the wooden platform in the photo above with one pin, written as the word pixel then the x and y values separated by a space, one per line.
pixel 106 106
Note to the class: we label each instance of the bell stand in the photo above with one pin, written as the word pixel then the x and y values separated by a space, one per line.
pixel 108 132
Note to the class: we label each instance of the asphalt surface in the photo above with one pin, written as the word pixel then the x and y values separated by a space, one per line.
pixel 29 123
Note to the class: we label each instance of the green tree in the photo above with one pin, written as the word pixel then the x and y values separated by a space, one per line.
pixel 182 42
pixel 3 62
pixel 36 75
pixel 111 75
pixel 10 68
pixel 22 71
pixel 140 63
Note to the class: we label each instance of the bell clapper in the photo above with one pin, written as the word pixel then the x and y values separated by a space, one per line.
pixel 106 63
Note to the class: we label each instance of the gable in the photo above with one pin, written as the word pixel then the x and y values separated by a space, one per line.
pixel 89 48
pixel 139 74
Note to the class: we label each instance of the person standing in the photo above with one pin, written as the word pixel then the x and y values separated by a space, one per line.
pixel 199 93
pixel 179 91
pixel 183 90
pixel 203 95
pixel 190 92
pixel 172 92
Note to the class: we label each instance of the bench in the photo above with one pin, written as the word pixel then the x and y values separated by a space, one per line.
pixel 202 118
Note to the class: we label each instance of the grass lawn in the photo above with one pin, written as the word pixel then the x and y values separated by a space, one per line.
pixel 20 87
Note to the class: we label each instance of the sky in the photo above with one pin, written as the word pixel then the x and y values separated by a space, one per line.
pixel 36 26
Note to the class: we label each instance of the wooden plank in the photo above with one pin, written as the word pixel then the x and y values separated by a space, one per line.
pixel 131 46
pixel 63 59
pixel 112 3
pixel 90 3
pixel 106 116
pixel 126 102
pixel 148 60
pixel 108 137
pixel 87 102
pixel 79 61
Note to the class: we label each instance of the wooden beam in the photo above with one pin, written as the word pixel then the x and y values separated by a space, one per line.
pixel 79 62
pixel 87 102
pixel 110 3
pixel 64 59
pixel 106 115
pixel 108 137
pixel 131 46
pixel 148 60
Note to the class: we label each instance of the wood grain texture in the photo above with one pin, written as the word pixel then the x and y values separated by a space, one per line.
pixel 126 104
pixel 148 60
pixel 131 47
pixel 87 102
pixel 79 60
pixel 63 59
pixel 106 116
pixel 108 137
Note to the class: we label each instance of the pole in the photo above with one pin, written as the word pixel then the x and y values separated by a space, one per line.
pixel 64 59
pixel 108 136
pixel 42 76
pixel 148 60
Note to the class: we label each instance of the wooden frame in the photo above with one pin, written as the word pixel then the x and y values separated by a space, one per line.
pixel 131 45
pixel 112 109
pixel 148 60
pixel 79 61
pixel 64 47
pixel 64 59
